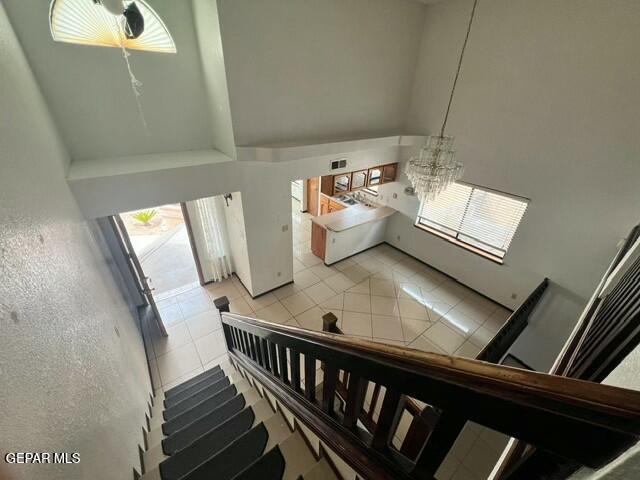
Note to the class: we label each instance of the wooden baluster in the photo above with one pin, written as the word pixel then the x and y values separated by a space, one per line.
pixel 420 428
pixel 265 353
pixel 330 379
pixel 295 370
pixel 254 350
pixel 239 339
pixel 258 346
pixel 245 342
pixel 438 444
pixel 374 401
pixel 309 377
pixel 282 358
pixel 227 336
pixel 250 345
pixel 388 419
pixel 234 345
pixel 355 400
pixel 273 358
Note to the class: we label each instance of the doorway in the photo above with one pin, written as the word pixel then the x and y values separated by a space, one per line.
pixel 162 240
pixel 180 260
pixel 304 205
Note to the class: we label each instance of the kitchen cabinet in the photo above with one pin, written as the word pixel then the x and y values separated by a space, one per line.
pixel 341 183
pixel 358 179
pixel 389 173
pixel 335 206
pixel 318 240
pixel 332 185
pixel 374 176
pixel 326 185
pixel 324 205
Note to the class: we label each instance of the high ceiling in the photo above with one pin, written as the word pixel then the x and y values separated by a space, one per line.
pixel 346 74
pixel 89 94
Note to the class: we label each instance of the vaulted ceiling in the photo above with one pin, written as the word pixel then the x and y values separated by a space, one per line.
pixel 89 93
pixel 296 71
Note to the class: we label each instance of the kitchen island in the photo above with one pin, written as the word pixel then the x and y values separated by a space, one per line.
pixel 340 234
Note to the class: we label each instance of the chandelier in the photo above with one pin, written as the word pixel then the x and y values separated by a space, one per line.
pixel 436 167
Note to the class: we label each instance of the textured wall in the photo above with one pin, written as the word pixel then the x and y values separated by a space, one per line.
pixel 73 376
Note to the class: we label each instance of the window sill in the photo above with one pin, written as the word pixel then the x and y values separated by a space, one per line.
pixel 461 244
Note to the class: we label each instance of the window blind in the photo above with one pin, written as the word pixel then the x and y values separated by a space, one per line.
pixel 483 219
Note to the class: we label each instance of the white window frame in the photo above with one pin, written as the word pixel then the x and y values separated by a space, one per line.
pixel 461 243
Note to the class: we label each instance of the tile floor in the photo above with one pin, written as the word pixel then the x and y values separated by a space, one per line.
pixel 384 295
pixel 380 294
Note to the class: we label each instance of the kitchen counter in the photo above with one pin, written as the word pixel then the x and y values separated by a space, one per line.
pixel 352 217
pixel 338 235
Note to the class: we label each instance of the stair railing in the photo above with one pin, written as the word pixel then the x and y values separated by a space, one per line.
pixel 607 330
pixel 585 422
pixel 424 418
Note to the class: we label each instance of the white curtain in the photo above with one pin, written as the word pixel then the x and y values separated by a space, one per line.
pixel 213 246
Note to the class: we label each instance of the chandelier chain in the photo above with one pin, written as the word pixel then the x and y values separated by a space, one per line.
pixel 455 80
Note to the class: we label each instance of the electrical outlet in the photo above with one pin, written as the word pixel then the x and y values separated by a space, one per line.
pixel 279 274
pixel 395 195
pixel 398 238
pixel 285 228
pixel 333 240
pixel 514 296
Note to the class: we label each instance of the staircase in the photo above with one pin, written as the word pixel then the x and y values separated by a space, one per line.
pixel 273 414
pixel 221 425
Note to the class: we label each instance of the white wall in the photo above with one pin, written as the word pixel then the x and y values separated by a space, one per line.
pixel 547 107
pixel 265 189
pixel 88 91
pixel 319 70
pixel 234 216
pixel 207 28
pixel 74 375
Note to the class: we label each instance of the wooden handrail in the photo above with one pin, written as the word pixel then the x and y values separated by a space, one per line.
pixel 488 378
pixel 591 423
pixel 513 327
pixel 594 368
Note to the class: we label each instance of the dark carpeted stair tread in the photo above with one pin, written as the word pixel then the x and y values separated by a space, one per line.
pixel 196 398
pixel 202 425
pixel 269 466
pixel 199 410
pixel 233 459
pixel 196 387
pixel 192 381
pixel 207 446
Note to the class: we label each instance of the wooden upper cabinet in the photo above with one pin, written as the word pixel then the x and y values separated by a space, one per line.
pixel 332 185
pixel 326 185
pixel 341 183
pixel 389 172
pixel 374 176
pixel 358 179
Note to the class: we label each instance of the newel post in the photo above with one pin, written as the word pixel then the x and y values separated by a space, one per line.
pixel 222 305
pixel 329 323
